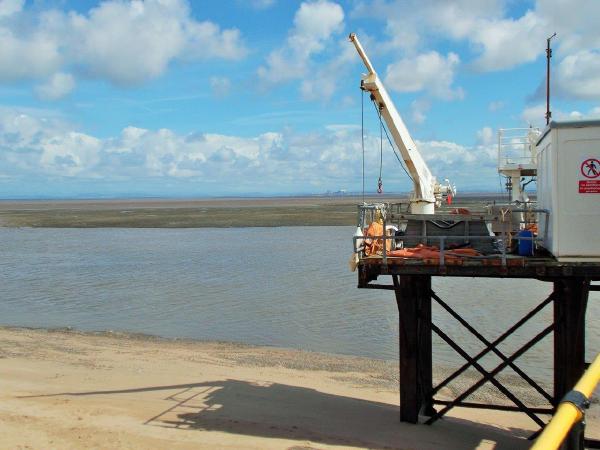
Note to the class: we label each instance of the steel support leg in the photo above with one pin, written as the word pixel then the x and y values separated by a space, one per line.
pixel 413 296
pixel 570 302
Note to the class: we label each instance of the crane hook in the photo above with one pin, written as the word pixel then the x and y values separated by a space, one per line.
pixel 379 186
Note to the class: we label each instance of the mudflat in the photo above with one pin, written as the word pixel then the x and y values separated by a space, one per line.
pixel 177 213
pixel 65 389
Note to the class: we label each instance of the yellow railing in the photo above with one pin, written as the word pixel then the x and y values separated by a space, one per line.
pixel 569 412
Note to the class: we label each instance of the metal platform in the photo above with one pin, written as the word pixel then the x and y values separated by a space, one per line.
pixel 545 269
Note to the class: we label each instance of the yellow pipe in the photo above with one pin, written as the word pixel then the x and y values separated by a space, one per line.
pixel 568 414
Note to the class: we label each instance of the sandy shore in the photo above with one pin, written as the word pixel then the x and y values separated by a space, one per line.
pixel 72 390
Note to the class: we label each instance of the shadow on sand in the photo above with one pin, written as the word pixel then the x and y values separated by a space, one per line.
pixel 273 410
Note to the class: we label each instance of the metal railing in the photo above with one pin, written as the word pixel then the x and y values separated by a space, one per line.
pixel 571 410
pixel 502 240
pixel 516 147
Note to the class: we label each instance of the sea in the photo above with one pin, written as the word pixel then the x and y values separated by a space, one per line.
pixel 287 287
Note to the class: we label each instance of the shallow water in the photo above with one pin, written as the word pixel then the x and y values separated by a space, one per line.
pixel 286 287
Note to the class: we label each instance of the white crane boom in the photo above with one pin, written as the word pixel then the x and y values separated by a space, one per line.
pixel 423 199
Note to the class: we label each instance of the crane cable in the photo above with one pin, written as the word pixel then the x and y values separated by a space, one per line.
pixel 379 182
pixel 362 137
pixel 392 145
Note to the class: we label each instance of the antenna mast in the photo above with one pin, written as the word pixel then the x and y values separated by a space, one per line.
pixel 548 56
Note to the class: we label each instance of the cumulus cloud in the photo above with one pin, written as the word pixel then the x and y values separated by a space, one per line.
pixel 314 23
pixel 35 55
pixel 485 136
pixel 428 71
pixel 36 146
pixel 578 75
pixel 469 168
pixel 418 109
pixel 498 40
pixel 323 82
pixel 507 42
pixel 10 7
pixel 536 115
pixel 59 85
pixel 412 24
pixel 125 43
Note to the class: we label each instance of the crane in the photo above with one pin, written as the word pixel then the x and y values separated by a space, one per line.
pixel 427 191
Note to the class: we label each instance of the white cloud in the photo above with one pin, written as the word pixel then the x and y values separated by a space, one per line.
pixel 418 109
pixel 536 115
pixel 283 161
pixel 35 55
pixel 125 43
pixel 468 167
pixel 206 40
pixel 59 85
pixel 69 154
pixel 505 43
pixel 497 40
pixel 322 83
pixel 412 24
pixel 428 71
pixel 445 153
pixel 10 7
pixel 485 136
pixel 578 75
pixel 314 23
pixel 576 24
pixel 497 37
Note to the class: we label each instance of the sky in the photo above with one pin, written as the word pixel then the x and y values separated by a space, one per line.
pixel 177 98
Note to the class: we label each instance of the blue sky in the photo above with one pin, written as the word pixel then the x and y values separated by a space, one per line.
pixel 178 98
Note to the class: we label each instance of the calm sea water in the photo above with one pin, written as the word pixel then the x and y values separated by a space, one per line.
pixel 286 287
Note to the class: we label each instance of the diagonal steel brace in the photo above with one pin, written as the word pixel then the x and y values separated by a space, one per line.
pixel 489 376
pixel 492 346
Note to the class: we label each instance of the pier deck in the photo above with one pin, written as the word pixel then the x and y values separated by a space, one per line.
pixel 370 268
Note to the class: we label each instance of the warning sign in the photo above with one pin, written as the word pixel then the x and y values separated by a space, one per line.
pixel 589 186
pixel 590 168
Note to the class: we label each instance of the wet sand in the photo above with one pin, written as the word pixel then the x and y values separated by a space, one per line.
pixel 64 389
pixel 173 213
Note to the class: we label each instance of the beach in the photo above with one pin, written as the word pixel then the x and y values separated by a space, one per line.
pixel 198 213
pixel 66 389
pixel 70 388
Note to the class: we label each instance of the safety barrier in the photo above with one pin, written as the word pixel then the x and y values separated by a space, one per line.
pixel 571 409
pixel 503 239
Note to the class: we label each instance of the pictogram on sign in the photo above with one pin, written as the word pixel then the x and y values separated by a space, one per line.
pixel 590 168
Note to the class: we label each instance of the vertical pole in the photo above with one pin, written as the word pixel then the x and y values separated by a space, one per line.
pixel 548 56
pixel 413 296
pixel 570 302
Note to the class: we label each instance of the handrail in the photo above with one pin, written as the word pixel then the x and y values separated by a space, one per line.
pixel 570 409
pixel 515 147
pixel 442 247
pixel 504 237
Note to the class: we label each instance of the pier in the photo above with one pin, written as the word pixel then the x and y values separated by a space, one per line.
pixel 411 281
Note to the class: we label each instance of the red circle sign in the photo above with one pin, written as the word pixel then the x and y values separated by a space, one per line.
pixel 590 168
